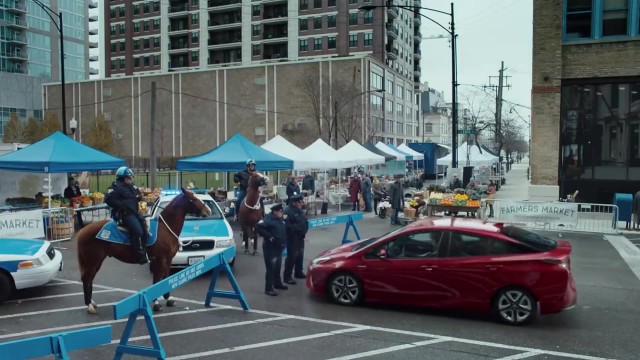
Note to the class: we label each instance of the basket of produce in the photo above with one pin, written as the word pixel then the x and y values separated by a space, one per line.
pixel 410 212
pixel 54 203
pixel 85 201
pixel 61 226
pixel 97 197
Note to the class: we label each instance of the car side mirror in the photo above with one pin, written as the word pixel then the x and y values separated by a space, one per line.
pixel 382 253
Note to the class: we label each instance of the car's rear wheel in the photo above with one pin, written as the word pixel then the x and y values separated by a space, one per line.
pixel 345 289
pixel 6 285
pixel 515 306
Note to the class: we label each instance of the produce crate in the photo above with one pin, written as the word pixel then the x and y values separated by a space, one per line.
pixel 409 212
pixel 98 200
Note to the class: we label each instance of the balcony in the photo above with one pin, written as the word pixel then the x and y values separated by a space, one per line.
pixel 228 39
pixel 417 36
pixel 275 14
pixel 417 19
pixel 16 39
pixel 14 6
pixel 93 4
pixel 179 61
pixel 93 44
pixel 14 55
pixel 93 18
pixel 231 19
pixel 275 33
pixel 15 23
pixel 417 71
pixel 417 54
pixel 222 57
pixel 94 58
pixel 178 10
pixel 93 31
pixel 275 52
pixel 178 45
pixel 178 26
pixel 219 5
pixel 392 31
pixel 93 71
pixel 392 54
pixel 393 12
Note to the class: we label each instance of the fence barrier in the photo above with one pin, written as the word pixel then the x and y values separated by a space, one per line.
pixel 557 216
pixel 348 219
pixel 56 344
pixel 139 303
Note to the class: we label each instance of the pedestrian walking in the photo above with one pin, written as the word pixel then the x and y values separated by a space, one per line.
pixel 397 200
pixel 491 195
pixel 377 194
pixel 365 189
pixel 354 190
pixel 273 230
pixel 297 227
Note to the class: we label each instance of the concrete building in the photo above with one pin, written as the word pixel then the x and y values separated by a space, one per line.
pixel 198 110
pixel 29 52
pixel 436 117
pixel 585 99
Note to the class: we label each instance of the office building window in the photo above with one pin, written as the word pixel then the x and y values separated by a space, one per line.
pixel 317 44
pixel 136 9
pixel 195 2
pixel 353 18
pixel 156 42
pixel 136 44
pixel 400 91
pixel 584 20
pixel 331 21
pixel 121 11
pixel 121 29
pixel 145 61
pixel 389 107
pixel 156 6
pixel 317 23
pixel 331 3
pixel 194 37
pixel 304 45
pixel 136 26
pixel 353 40
pixel 400 128
pixel 113 64
pixel 113 47
pixel 331 42
pixel 145 25
pixel 304 4
pixel 389 127
pixel 136 62
pixel 195 56
pixel 368 39
pixel 317 4
pixel 122 64
pixel 614 17
pixel 400 111
pixel 368 17
pixel 255 30
pixel 428 128
pixel 389 88
pixel 353 1
pixel 145 7
pixel 156 24
pixel 255 10
pixel 194 19
pixel 113 30
pixel 304 24
pixel 123 46
pixel 147 43
pixel 376 81
pixel 255 50
pixel 156 60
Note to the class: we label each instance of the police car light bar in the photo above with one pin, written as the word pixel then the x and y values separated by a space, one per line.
pixel 170 192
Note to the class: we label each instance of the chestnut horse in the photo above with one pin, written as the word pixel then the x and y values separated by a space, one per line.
pixel 250 211
pixel 93 251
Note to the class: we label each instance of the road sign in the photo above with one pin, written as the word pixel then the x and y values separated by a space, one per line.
pixel 466 132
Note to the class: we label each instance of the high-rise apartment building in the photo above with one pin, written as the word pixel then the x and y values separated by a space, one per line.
pixel 155 36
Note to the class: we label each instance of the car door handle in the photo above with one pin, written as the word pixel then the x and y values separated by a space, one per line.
pixel 362 266
pixel 429 267
pixel 493 267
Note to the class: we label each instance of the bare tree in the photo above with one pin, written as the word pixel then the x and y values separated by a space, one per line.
pixel 14 130
pixel 100 136
pixel 311 89
pixel 347 111
pixel 481 114
pixel 510 135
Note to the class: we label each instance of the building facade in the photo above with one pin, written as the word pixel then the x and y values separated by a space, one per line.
pixel 198 110
pixel 585 99
pixel 436 117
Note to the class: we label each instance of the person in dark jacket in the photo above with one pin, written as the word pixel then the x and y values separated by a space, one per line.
pixel 124 199
pixel 397 200
pixel 365 189
pixel 73 190
pixel 354 190
pixel 455 183
pixel 292 188
pixel 309 184
pixel 296 222
pixel 273 230
pixel 242 179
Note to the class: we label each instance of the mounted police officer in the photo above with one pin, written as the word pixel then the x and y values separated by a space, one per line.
pixel 273 229
pixel 296 224
pixel 242 178
pixel 124 199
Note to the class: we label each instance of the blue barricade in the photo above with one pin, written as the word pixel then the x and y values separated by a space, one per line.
pixel 348 219
pixel 56 344
pixel 140 303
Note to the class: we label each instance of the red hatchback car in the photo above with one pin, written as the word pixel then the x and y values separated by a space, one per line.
pixel 456 263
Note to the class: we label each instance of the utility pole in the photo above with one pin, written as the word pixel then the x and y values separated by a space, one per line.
pixel 502 83
pixel 152 145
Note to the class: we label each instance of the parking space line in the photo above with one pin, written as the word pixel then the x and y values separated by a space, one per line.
pixel 389 349
pixel 522 355
pixel 59 282
pixel 54 296
pixel 269 343
pixel 48 311
pixel 106 322
pixel 207 328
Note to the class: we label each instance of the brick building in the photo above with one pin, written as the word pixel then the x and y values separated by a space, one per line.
pixel 585 99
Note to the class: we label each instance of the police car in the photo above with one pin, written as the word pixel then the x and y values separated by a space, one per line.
pixel 201 237
pixel 26 263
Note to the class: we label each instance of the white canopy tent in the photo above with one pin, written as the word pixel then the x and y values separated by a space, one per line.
pixel 388 150
pixel 475 157
pixel 356 154
pixel 416 155
pixel 281 146
pixel 321 156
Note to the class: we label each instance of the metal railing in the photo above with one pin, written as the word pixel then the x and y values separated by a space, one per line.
pixel 59 224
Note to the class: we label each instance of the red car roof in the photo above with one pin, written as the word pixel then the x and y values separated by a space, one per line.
pixel 456 223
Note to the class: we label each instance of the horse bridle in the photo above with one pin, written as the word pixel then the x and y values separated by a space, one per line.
pixel 182 244
pixel 257 205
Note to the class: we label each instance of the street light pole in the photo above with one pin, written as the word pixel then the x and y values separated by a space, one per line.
pixel 60 28
pixel 454 78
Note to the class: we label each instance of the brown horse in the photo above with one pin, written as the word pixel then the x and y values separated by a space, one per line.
pixel 250 211
pixel 93 251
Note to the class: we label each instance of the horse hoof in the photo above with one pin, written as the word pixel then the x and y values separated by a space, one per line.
pixel 94 305
pixel 157 308
pixel 91 310
pixel 170 303
pixel 255 253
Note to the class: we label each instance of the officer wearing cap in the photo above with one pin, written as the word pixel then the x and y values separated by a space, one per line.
pixel 296 222
pixel 273 230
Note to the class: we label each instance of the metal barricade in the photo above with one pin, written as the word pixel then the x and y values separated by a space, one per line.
pixel 556 216
pixel 59 224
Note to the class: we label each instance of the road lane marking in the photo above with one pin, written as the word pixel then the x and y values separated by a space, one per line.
pixel 629 252
pixel 48 311
pixel 207 328
pixel 390 349
pixel 106 322
pixel 54 296
pixel 522 355
pixel 269 343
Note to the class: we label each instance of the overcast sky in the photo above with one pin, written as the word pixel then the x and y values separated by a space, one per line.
pixel 489 31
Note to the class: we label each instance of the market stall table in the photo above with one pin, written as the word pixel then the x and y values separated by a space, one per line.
pixel 91 209
pixel 432 209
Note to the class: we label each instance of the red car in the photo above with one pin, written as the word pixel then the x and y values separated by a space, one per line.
pixel 456 263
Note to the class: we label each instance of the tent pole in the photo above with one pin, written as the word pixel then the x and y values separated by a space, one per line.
pixel 49 192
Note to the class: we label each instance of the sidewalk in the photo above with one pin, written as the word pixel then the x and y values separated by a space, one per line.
pixel 517 186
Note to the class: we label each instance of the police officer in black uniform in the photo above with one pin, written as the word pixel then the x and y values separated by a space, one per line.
pixel 296 223
pixel 272 229
pixel 124 199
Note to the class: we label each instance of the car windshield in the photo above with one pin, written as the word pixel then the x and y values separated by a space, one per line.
pixel 215 212
pixel 533 240
pixel 374 239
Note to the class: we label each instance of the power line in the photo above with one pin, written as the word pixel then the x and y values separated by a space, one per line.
pixel 493 95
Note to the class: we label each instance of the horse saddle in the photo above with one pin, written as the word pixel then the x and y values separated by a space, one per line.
pixel 115 233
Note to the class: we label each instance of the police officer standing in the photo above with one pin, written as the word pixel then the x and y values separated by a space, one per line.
pixel 272 229
pixel 296 223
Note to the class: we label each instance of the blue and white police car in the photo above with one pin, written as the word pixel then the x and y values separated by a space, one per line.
pixel 201 237
pixel 26 263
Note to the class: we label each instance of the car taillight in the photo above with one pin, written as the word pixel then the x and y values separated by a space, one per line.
pixel 564 262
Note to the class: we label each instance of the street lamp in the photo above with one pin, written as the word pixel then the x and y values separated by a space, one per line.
pixel 338 109
pixel 60 28
pixel 454 84
pixel 73 124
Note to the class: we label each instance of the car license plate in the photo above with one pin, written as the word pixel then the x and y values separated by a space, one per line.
pixel 195 259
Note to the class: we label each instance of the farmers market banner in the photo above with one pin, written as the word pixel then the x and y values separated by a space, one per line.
pixel 527 211
pixel 22 224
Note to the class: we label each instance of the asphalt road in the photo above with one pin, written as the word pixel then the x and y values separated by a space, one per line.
pixel 295 325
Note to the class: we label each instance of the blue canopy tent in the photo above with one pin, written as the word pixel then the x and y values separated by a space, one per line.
pixel 232 155
pixel 58 153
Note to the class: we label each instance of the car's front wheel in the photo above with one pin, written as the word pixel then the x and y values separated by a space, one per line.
pixel 6 285
pixel 515 306
pixel 345 289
